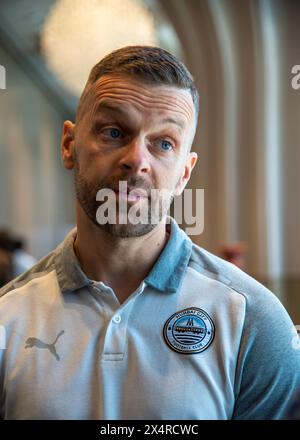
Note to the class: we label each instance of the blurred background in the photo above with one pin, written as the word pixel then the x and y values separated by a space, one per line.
pixel 241 53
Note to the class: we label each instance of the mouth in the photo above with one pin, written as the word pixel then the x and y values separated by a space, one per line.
pixel 131 195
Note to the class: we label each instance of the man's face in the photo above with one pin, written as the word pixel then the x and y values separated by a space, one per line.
pixel 133 132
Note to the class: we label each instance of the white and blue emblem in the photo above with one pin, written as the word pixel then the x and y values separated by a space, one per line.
pixel 189 331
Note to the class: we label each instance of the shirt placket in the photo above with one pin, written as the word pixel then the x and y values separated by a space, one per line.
pixel 117 318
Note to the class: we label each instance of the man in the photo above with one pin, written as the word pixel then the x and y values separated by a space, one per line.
pixel 129 320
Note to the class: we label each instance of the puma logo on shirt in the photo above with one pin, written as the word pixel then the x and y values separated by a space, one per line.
pixel 35 342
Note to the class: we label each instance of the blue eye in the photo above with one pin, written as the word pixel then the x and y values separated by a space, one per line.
pixel 166 145
pixel 115 133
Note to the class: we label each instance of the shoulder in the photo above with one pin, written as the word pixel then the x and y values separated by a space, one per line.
pixel 40 269
pixel 267 363
pixel 264 313
pixel 232 278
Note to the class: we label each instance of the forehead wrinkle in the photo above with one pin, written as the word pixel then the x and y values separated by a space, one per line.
pixel 179 99
pixel 180 107
pixel 146 90
pixel 115 86
pixel 113 107
pixel 149 106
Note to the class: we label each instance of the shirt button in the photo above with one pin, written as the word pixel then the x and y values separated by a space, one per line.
pixel 117 319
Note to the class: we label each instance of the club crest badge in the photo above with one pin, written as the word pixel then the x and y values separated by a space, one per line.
pixel 189 331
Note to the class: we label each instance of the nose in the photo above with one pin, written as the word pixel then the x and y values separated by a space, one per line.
pixel 136 157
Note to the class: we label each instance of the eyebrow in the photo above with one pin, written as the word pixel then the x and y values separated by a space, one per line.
pixel 110 106
pixel 123 111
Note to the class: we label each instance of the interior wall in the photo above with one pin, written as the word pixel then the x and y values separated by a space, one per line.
pixel 35 190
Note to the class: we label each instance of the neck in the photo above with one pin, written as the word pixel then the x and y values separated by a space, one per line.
pixel 112 259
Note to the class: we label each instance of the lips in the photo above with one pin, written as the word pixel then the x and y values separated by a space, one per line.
pixel 140 192
pixel 132 194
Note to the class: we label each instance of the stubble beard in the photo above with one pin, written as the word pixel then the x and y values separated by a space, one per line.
pixel 86 196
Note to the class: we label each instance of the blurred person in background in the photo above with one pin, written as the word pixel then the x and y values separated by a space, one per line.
pixel 6 266
pixel 235 253
pixel 21 259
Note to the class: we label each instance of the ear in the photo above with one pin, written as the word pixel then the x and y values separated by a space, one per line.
pixel 187 171
pixel 67 145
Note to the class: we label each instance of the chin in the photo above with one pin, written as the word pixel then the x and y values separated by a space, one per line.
pixel 128 230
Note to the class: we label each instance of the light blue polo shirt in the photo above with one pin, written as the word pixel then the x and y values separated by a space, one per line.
pixel 199 339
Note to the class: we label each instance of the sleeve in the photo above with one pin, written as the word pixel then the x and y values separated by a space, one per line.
pixel 268 367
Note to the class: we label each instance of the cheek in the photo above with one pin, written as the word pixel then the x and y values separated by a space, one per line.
pixel 167 180
pixel 87 154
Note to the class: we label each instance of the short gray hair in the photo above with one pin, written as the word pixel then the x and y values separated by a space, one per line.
pixel 152 65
